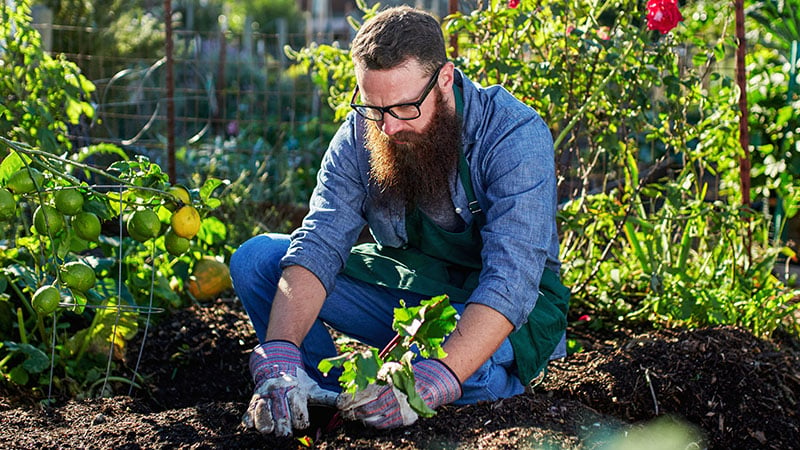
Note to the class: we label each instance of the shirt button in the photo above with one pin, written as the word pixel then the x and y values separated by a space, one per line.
pixel 458 210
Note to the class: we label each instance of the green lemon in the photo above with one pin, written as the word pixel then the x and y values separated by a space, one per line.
pixel 86 225
pixel 8 207
pixel 69 201
pixel 54 219
pixel 21 181
pixel 46 299
pixel 143 225
pixel 137 236
pixel 78 276
pixel 175 245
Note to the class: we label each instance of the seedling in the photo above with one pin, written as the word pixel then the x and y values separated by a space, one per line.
pixel 421 330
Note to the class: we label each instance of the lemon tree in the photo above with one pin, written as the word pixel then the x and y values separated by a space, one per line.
pixel 52 205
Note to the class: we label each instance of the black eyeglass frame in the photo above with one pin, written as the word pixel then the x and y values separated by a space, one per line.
pixel 388 109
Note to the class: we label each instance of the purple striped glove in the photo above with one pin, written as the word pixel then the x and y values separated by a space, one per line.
pixel 385 406
pixel 283 390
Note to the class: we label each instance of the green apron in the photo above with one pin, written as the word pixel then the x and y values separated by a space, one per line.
pixel 436 261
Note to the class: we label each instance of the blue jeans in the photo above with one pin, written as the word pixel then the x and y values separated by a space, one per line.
pixel 357 309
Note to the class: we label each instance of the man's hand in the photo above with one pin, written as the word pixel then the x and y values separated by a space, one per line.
pixel 385 406
pixel 283 390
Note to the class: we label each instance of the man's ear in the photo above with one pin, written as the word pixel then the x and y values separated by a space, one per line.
pixel 447 75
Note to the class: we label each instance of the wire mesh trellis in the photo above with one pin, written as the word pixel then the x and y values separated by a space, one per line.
pixel 146 310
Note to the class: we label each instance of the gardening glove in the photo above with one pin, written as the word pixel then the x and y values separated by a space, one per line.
pixel 385 406
pixel 283 390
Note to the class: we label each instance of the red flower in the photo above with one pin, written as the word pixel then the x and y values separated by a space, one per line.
pixel 584 318
pixel 513 4
pixel 663 15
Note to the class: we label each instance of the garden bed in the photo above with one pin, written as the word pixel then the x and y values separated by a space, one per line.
pixel 723 387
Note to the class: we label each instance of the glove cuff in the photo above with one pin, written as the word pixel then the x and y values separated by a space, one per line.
pixel 436 382
pixel 273 358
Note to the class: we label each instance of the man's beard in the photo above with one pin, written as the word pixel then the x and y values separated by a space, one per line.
pixel 416 172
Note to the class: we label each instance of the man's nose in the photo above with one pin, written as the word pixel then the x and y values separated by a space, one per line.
pixel 390 125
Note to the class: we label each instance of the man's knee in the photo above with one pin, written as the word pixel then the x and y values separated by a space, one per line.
pixel 257 256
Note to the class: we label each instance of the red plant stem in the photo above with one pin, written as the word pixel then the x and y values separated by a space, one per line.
pixel 390 346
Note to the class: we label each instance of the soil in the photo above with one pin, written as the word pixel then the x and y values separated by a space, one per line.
pixel 718 388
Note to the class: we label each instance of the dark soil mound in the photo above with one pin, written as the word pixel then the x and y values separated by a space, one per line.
pixel 732 389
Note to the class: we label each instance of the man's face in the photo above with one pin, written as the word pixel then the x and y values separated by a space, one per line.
pixel 413 165
pixel 408 83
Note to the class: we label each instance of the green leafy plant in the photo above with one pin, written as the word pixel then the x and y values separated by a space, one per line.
pixel 423 328
pixel 128 277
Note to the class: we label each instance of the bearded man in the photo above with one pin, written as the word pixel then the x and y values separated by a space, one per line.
pixel 456 183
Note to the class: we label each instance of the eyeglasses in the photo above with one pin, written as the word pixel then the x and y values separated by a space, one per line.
pixel 402 111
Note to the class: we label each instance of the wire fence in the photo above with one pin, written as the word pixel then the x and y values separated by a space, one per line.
pixel 226 85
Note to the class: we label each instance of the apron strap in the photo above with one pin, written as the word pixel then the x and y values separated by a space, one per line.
pixel 466 181
pixel 463 166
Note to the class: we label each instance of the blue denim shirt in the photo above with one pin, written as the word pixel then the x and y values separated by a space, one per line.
pixel 509 149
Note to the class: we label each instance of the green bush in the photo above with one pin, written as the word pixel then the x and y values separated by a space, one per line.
pixel 646 134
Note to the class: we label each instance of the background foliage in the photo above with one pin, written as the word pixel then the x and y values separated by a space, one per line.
pixel 646 133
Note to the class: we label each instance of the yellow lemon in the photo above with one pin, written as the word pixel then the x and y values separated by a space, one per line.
pixel 8 207
pixel 186 222
pixel 46 215
pixel 181 194
pixel 143 225
pixel 46 299
pixel 69 201
pixel 79 276
pixel 86 225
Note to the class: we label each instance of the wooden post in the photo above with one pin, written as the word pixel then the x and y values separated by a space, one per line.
pixel 170 92
pixel 744 135
pixel 741 81
pixel 452 9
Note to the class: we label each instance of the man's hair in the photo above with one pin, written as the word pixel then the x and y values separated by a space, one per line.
pixel 394 35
